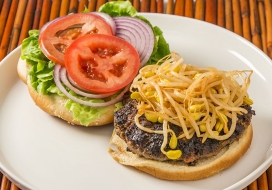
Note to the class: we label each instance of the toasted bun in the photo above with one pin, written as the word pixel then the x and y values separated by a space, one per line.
pixel 178 171
pixel 54 104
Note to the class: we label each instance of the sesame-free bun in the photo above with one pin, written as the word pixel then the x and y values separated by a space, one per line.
pixel 177 170
pixel 55 104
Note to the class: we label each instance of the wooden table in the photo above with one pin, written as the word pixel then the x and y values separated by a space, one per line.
pixel 252 19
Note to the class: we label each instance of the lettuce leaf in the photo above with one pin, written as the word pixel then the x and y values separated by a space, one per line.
pixel 118 8
pixel 41 72
pixel 125 8
pixel 42 80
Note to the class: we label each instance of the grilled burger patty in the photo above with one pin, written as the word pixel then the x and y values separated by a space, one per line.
pixel 148 145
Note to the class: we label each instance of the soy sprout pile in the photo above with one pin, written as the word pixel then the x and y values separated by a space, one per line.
pixel 200 100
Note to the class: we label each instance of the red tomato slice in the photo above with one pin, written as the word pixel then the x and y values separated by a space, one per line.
pixel 102 63
pixel 58 34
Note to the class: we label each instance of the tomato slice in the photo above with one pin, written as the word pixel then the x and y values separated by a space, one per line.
pixel 102 63
pixel 58 34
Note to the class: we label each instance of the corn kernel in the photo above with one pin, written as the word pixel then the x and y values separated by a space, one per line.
pixel 148 94
pixel 173 154
pixel 135 95
pixel 166 67
pixel 164 80
pixel 195 108
pixel 173 141
pixel 151 117
pixel 223 118
pixel 160 120
pixel 196 76
pixel 214 91
pixel 141 111
pixel 196 116
pixel 148 74
pixel 176 69
pixel 215 132
pixel 247 101
pixel 226 129
pixel 219 126
pixel 203 127
pixel 157 97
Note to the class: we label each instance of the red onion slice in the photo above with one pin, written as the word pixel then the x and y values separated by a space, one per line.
pixel 136 27
pixel 132 37
pixel 58 83
pixel 108 19
pixel 74 83
pixel 64 79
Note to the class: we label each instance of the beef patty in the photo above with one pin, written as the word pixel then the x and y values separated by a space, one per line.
pixel 148 145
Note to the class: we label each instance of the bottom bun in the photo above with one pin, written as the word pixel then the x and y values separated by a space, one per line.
pixel 178 170
pixel 55 104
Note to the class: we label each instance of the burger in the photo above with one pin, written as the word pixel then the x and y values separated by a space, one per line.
pixel 183 122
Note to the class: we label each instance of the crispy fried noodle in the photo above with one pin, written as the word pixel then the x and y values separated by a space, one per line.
pixel 199 100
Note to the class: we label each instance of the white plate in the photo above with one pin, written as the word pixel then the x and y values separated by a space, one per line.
pixel 42 152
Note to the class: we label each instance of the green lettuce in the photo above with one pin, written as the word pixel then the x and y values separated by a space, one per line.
pixel 125 8
pixel 42 80
pixel 41 71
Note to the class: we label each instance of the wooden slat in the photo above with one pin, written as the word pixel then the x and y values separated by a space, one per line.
pixel 101 2
pixel 255 24
pixel 5 184
pixel 8 29
pixel 73 6
pixel 4 17
pixel 92 5
pixel 1 4
pixel 253 185
pixel 170 7
pixel 18 24
pixel 37 14
pixel 46 8
pixel 64 8
pixel 245 19
pixel 82 4
pixel 189 8
pixel 179 7
pixel 262 25
pixel 28 20
pixel 14 187
pixel 153 6
pixel 55 9
pixel 137 5
pixel 200 10
pixel 269 177
pixel 160 6
pixel 229 17
pixel 145 5
pixel 237 22
pixel 262 182
pixel 221 13
pixel 211 11
pixel 268 13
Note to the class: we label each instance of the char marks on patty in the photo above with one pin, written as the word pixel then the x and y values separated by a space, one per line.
pixel 148 145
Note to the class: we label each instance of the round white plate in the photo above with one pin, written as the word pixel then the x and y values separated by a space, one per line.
pixel 38 151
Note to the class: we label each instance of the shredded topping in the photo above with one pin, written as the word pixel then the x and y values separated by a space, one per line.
pixel 199 100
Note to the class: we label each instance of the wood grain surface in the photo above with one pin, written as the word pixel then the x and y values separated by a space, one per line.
pixel 251 19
